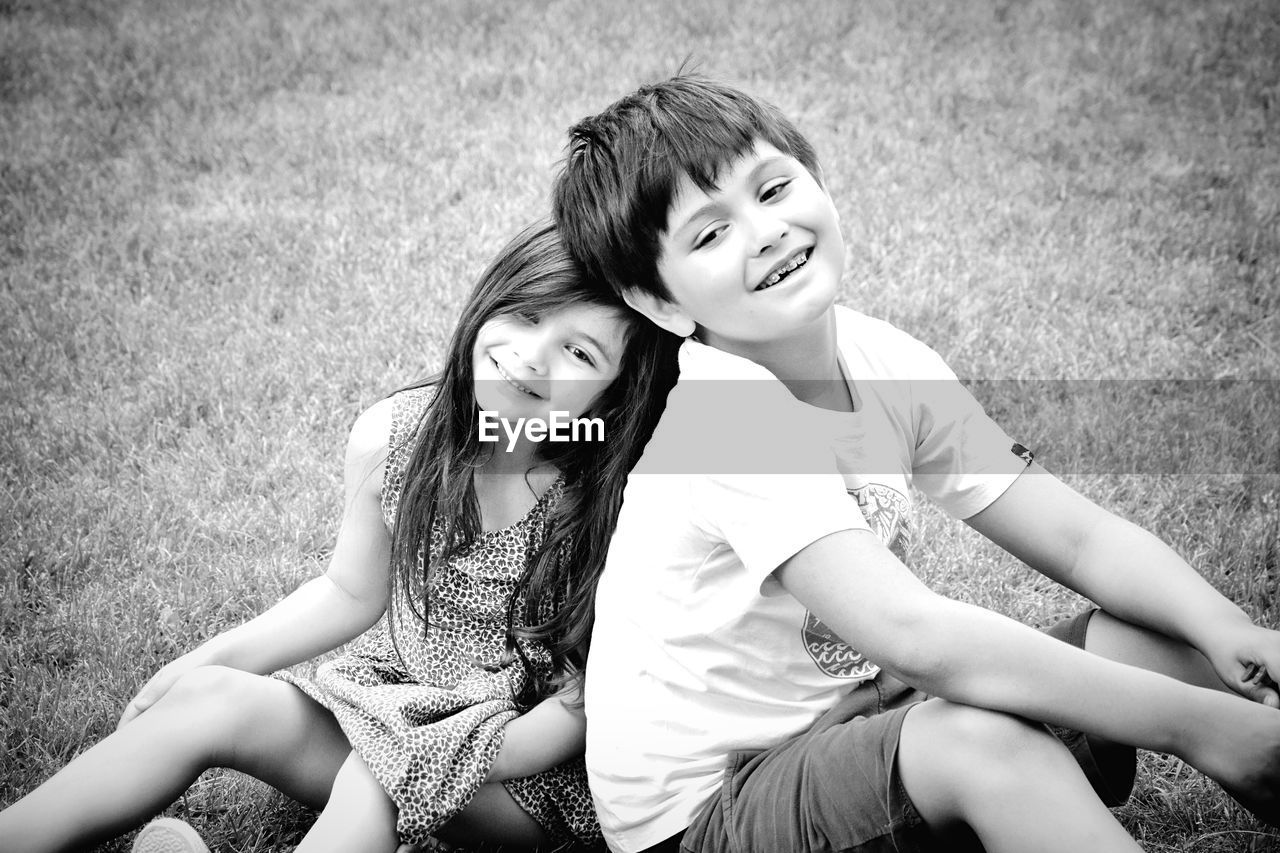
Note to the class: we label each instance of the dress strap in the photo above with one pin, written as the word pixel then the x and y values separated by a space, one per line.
pixel 407 410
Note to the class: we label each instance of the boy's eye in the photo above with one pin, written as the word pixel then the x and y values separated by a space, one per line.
pixel 580 354
pixel 774 190
pixel 709 236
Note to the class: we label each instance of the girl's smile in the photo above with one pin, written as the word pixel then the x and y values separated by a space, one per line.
pixel 529 367
pixel 515 384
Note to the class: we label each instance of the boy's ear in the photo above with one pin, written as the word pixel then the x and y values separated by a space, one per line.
pixel 662 312
pixel 822 182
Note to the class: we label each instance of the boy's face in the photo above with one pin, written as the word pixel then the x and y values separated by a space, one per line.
pixel 756 260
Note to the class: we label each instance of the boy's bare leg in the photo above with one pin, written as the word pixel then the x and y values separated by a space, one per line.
pixel 1007 781
pixel 358 816
pixel 1257 788
pixel 1115 639
pixel 212 717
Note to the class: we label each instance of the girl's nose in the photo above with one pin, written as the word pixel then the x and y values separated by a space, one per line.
pixel 531 350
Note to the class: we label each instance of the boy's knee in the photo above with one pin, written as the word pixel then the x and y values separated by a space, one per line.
pixel 995 730
pixel 990 748
pixel 956 760
pixel 1007 753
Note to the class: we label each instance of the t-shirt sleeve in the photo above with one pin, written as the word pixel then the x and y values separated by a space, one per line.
pixel 768 518
pixel 761 483
pixel 963 460
pixel 770 486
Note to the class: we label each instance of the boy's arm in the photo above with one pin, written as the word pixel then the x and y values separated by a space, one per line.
pixel 967 654
pixel 549 733
pixel 1131 574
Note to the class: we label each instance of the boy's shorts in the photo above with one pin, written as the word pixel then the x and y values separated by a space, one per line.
pixel 835 788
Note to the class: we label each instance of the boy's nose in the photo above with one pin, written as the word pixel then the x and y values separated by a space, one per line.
pixel 769 232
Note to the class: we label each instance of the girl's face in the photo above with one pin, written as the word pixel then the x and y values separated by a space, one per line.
pixel 560 362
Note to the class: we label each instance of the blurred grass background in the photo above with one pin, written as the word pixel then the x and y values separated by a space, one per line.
pixel 227 227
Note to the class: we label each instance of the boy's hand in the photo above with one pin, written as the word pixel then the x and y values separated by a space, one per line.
pixel 1248 661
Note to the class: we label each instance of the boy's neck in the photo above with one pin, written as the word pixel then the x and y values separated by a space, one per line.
pixel 808 363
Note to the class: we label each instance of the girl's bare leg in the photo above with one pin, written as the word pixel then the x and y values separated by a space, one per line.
pixel 212 717
pixel 358 816
pixel 972 772
pixel 493 816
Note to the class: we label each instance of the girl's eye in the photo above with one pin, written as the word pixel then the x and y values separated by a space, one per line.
pixel 580 354
pixel 708 237
pixel 774 190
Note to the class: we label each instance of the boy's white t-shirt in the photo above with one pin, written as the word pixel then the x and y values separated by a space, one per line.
pixel 697 652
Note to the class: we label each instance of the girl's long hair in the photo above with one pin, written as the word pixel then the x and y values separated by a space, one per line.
pixel 554 600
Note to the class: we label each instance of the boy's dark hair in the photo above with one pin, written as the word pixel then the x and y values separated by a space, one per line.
pixel 620 174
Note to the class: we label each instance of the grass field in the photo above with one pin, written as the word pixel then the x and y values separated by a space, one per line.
pixel 227 227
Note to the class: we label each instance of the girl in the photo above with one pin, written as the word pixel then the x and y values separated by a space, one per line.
pixel 459 711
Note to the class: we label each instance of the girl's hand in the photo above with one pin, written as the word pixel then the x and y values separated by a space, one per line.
pixel 1247 659
pixel 159 684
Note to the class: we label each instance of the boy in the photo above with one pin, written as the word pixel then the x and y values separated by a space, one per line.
pixel 756 629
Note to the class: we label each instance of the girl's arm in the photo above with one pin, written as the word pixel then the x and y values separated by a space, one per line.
pixel 1131 574
pixel 548 734
pixel 324 612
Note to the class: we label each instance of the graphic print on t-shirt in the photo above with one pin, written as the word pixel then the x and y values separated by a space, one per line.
pixel 886 511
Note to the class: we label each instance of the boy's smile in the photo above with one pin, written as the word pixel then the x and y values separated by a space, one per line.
pixel 784 268
pixel 754 260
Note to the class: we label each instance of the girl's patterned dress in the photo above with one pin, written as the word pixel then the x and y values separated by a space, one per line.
pixel 428 721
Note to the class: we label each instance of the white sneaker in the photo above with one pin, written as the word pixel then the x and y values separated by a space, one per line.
pixel 168 835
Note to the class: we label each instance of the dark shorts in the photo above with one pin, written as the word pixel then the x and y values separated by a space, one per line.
pixel 802 795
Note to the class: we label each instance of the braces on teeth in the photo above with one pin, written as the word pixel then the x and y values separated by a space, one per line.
pixel 797 261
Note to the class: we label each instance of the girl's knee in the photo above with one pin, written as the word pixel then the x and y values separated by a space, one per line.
pixel 219 700
pixel 207 688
